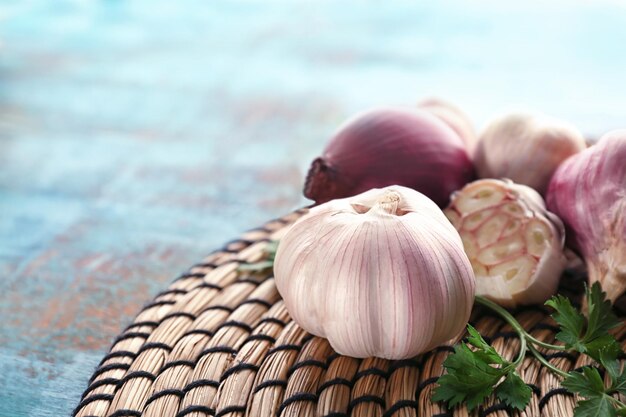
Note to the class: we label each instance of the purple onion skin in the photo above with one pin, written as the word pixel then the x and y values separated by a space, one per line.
pixel 391 146
pixel 588 192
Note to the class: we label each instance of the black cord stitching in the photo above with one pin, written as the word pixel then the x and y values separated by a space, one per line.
pixel 370 371
pixel 284 347
pixel 212 265
pixel 177 392
pixel 89 400
pixel 97 384
pixel 238 368
pixel 332 357
pixel 217 349
pixel 261 337
pixel 239 324
pixel 203 332
pixel 247 281
pixel 141 324
pixel 170 292
pixel 535 388
pixel 137 374
pixel 400 405
pixel 444 348
pixel 552 393
pixel 118 354
pixel 256 301
pixel 301 396
pixel 492 409
pixel 189 275
pixel 308 362
pixel 544 326
pixel 333 382
pixel 154 345
pixel 366 399
pixel 196 409
pixel 178 314
pixel 406 363
pixel 169 365
pixel 130 335
pixel 269 383
pixel 426 382
pixel 126 413
pixel 273 321
pixel 504 335
pixel 107 368
pixel 199 383
pixel 210 286
pixel 158 304
pixel 218 307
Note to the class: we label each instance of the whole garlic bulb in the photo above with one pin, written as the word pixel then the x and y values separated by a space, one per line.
pixel 526 148
pixel 514 244
pixel 588 191
pixel 379 274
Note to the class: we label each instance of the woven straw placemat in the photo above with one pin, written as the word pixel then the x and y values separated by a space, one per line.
pixel 219 342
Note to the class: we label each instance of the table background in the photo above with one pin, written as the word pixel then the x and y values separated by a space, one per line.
pixel 137 136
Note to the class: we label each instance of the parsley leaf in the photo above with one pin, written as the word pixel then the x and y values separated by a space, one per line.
pixel 589 334
pixel 601 318
pixel 595 407
pixel 587 382
pixel 471 378
pixel 486 352
pixel 571 321
pixel 619 385
pixel 514 392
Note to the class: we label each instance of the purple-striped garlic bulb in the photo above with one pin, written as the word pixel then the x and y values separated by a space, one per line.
pixel 514 244
pixel 381 274
pixel 526 148
pixel 588 192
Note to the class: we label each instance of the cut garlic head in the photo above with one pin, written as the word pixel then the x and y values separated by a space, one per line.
pixel 379 274
pixel 514 244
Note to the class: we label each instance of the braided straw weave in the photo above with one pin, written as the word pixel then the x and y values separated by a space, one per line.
pixel 219 342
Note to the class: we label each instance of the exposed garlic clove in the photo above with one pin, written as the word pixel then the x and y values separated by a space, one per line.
pixel 526 148
pixel 588 191
pixel 514 244
pixel 381 274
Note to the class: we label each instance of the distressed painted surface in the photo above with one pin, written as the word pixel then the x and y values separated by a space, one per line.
pixel 137 136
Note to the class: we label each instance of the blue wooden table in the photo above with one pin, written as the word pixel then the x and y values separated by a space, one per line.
pixel 135 137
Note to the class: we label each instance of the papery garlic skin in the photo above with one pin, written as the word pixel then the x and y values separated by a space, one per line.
pixel 588 192
pixel 526 148
pixel 379 274
pixel 514 244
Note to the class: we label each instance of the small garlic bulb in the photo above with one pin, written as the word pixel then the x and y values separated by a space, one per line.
pixel 514 244
pixel 526 149
pixel 379 274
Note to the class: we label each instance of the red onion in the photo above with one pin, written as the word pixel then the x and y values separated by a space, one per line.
pixel 453 117
pixel 588 192
pixel 391 146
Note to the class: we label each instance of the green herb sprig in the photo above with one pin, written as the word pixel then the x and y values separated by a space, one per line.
pixel 475 370
pixel 266 263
